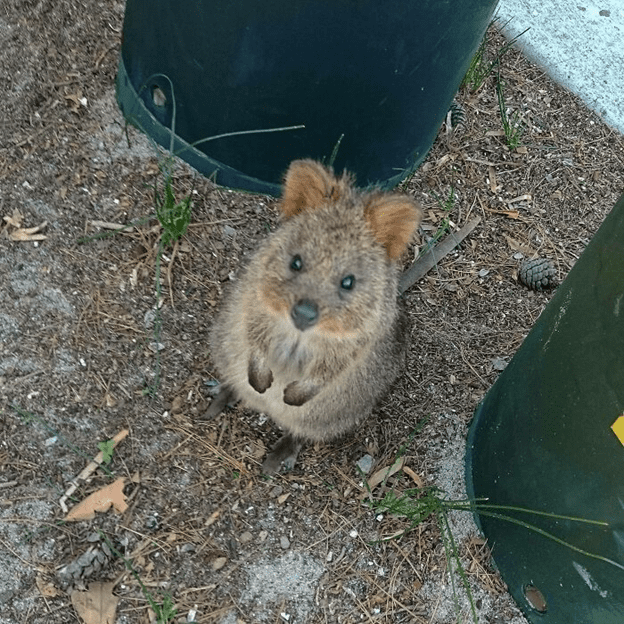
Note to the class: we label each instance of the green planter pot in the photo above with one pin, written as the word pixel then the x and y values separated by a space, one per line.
pixel 543 440
pixel 371 81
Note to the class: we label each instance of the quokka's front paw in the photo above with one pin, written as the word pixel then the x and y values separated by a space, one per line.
pixel 259 375
pixel 297 393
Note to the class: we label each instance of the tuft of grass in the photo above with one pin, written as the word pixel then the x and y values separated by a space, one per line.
pixel 481 67
pixel 166 610
pixel 174 217
pixel 447 205
pixel 512 125
pixel 417 505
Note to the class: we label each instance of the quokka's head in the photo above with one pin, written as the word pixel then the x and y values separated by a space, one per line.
pixel 331 268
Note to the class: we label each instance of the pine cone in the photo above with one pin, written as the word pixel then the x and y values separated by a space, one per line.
pixel 538 274
pixel 92 561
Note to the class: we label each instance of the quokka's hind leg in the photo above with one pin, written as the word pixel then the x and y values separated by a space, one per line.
pixel 224 396
pixel 284 453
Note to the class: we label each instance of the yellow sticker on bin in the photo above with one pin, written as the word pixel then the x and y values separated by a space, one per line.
pixel 618 428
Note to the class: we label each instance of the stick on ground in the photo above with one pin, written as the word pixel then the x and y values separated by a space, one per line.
pixel 422 265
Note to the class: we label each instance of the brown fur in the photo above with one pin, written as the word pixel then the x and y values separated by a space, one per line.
pixel 292 339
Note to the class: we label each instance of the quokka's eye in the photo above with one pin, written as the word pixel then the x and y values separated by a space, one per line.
pixel 348 282
pixel 296 264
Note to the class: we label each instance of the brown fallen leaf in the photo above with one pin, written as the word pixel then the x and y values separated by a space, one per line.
pixel 100 501
pixel 515 245
pixel 46 589
pixel 97 605
pixel 386 472
pixel 28 234
pixel 16 219
pixel 414 476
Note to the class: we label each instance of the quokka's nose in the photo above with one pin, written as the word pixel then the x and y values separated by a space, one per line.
pixel 304 314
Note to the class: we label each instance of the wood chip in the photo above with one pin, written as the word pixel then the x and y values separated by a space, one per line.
pixel 493 181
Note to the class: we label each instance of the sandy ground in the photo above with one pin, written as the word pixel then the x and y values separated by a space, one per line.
pixel 97 335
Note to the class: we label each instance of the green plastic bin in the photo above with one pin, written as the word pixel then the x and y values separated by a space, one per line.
pixel 370 81
pixel 543 440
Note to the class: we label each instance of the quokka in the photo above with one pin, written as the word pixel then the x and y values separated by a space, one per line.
pixel 312 333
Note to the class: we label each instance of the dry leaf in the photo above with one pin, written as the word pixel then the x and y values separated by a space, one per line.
pixel 23 236
pixel 515 245
pixel 213 518
pixel 46 589
pixel 415 476
pixel 97 605
pixel 16 219
pixel 100 501
pixel 386 472
pixel 28 234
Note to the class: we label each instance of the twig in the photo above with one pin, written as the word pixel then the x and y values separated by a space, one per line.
pixel 117 227
pixel 423 264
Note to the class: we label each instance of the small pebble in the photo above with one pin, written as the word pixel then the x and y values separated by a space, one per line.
pixel 218 563
pixel 245 537
pixel 229 231
pixel 284 542
pixel 365 463
pixel 499 364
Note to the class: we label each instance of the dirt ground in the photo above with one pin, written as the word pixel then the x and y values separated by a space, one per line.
pixel 94 340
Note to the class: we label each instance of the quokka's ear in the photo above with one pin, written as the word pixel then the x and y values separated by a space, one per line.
pixel 393 219
pixel 307 185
